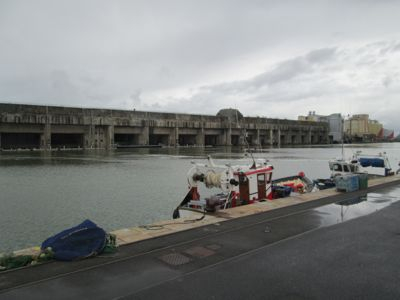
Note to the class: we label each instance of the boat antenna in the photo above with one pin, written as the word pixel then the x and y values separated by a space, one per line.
pixel 249 150
pixel 342 138
pixel 245 139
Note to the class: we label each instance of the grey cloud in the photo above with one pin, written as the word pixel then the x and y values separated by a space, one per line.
pixel 386 81
pixel 396 47
pixel 330 79
pixel 283 72
pixel 295 67
pixel 198 55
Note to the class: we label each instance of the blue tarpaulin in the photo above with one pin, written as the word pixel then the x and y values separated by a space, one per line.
pixel 372 162
pixel 81 241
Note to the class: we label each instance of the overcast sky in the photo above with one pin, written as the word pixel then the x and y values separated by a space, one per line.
pixel 268 58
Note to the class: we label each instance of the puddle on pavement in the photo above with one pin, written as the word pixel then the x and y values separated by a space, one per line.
pixel 357 207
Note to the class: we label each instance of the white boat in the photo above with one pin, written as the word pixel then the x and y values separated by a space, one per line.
pixel 372 164
pixel 235 186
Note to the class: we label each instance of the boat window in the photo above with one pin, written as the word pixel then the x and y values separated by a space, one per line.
pixel 352 168
pixel 242 179
pixel 346 168
pixel 261 178
pixel 337 167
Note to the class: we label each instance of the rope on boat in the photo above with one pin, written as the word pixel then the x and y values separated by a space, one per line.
pixel 213 180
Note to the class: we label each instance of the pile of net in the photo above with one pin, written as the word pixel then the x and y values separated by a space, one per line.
pixel 82 241
pixel 11 261
pixel 78 242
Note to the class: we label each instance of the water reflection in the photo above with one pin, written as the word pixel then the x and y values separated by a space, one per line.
pixel 357 207
pixel 353 201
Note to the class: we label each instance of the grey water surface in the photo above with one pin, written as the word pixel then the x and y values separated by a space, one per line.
pixel 42 193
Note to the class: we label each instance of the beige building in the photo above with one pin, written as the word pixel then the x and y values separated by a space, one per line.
pixel 375 127
pixel 357 125
pixel 360 126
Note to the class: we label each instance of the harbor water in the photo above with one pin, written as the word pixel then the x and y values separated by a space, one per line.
pixel 43 193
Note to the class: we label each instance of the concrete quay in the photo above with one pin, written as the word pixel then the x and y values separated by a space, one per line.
pixel 52 127
pixel 271 249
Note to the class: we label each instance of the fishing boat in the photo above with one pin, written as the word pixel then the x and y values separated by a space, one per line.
pixel 230 186
pixel 377 164
pixel 372 164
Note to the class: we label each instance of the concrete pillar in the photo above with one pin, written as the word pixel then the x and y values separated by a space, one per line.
pixel 176 143
pixel 309 139
pixel 110 137
pixel 200 138
pixel 242 138
pixel 144 136
pixel 89 137
pixel 0 140
pixel 171 137
pixel 228 137
pixel 271 137
pixel 279 137
pixel 46 135
pixel 257 142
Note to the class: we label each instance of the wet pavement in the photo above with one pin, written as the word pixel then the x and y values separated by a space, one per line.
pixel 359 206
pixel 333 251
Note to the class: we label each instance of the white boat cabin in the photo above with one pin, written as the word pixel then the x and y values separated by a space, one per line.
pixel 342 167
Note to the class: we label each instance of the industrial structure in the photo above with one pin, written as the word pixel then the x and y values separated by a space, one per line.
pixel 335 122
pixel 49 127
pixel 357 128
pixel 360 128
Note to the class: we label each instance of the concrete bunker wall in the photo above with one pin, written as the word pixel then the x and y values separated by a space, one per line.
pixel 47 126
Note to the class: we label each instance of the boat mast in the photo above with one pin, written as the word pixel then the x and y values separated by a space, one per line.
pixel 245 139
pixel 342 137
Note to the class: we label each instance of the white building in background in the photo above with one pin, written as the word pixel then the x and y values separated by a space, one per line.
pixel 335 124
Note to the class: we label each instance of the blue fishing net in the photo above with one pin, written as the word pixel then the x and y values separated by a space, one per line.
pixel 81 241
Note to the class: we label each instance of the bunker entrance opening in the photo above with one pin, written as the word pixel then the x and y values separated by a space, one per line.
pixel 211 140
pixel 126 139
pixel 159 139
pixel 187 139
pixel 235 140
pixel 67 140
pixel 19 140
